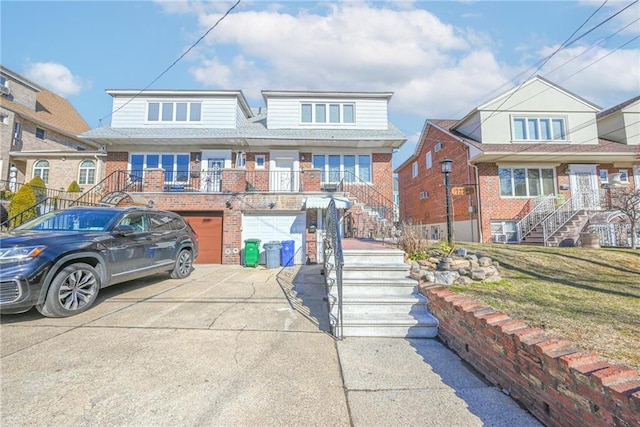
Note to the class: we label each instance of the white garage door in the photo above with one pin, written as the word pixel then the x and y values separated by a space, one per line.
pixel 269 227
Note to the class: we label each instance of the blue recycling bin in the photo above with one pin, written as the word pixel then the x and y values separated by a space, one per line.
pixel 288 252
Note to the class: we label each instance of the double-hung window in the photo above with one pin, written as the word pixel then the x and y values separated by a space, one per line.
pixel 539 129
pixel 414 170
pixel 41 169
pixel 87 172
pixel 333 113
pixel 176 166
pixel 526 182
pixel 347 167
pixel 174 111
pixel 429 160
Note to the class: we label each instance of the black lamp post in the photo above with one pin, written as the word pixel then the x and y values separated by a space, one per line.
pixel 446 165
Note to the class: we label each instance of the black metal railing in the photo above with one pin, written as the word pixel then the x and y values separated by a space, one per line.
pixel 333 264
pixel 367 194
pixel 118 181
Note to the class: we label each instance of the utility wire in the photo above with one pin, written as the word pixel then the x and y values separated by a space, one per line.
pixel 174 62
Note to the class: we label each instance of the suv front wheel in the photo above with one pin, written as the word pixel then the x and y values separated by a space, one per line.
pixel 73 290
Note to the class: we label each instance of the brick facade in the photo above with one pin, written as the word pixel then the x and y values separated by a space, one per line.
pixel 559 384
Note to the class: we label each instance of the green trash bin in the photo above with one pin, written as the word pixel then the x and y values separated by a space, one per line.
pixel 251 252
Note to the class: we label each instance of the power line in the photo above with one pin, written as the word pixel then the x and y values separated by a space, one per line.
pixel 211 28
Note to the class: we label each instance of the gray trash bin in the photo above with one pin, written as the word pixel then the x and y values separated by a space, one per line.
pixel 272 250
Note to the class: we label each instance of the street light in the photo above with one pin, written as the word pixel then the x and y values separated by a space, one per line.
pixel 446 165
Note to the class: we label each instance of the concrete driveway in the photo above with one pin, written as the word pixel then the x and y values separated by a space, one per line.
pixel 229 346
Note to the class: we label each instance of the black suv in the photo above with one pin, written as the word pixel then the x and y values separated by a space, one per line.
pixel 59 261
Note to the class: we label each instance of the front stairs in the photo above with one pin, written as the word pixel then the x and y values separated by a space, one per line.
pixel 379 298
pixel 567 235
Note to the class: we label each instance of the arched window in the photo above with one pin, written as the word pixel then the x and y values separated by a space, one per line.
pixel 41 169
pixel 87 173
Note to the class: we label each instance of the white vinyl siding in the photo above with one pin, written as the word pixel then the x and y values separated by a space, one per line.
pixel 289 113
pixel 216 112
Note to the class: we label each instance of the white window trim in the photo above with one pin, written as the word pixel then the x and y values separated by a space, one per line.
pixel 626 174
pixel 81 168
pixel 526 117
pixel 502 196
pixel 604 180
pixel 326 172
pixel 145 166
pixel 414 170
pixel 47 168
pixel 327 121
pixel 429 160
pixel 173 121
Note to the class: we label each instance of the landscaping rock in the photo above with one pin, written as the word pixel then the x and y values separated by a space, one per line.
pixel 492 279
pixel 446 278
pixel 427 276
pixel 415 267
pixel 485 261
pixel 464 280
pixel 478 274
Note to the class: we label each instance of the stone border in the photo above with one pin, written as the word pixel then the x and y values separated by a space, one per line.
pixel 558 384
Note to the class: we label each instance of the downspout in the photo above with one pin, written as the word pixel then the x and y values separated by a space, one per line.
pixel 478 203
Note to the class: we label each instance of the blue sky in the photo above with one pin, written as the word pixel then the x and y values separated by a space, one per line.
pixel 440 58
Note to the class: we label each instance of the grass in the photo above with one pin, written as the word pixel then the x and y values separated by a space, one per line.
pixel 589 296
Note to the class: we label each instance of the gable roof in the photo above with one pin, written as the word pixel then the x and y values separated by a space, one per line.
pixel 618 107
pixel 52 111
pixel 534 79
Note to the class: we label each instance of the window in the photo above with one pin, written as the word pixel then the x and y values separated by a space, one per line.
pixel 87 172
pixel 624 175
pixel 4 119
pixel 526 182
pixel 348 167
pixel 438 146
pixel 174 111
pixel 429 160
pixel 176 166
pixel 40 133
pixel 241 160
pixel 538 129
pixel 317 113
pixel 414 169
pixel 604 176
pixel 17 133
pixel 260 161
pixel 41 169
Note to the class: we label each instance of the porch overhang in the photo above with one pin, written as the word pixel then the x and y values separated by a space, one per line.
pixel 323 202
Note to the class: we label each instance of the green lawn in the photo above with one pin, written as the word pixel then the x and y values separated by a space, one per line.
pixel 590 296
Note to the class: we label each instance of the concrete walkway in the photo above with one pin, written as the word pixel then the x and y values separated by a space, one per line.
pixel 230 346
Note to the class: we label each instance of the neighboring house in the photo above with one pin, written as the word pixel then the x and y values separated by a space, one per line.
pixel 516 160
pixel 39 132
pixel 237 173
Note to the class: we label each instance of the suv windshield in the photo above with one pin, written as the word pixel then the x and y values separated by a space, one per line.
pixel 70 221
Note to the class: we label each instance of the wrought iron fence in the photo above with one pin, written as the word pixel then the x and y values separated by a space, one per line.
pixel 333 264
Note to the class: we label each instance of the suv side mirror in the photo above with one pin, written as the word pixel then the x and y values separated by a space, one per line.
pixel 124 230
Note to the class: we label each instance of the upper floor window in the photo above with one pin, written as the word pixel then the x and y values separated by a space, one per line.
pixel 335 113
pixel 429 160
pixel 4 119
pixel 40 133
pixel 526 182
pixel 414 169
pixel 17 133
pixel 348 167
pixel 87 172
pixel 539 129
pixel 41 169
pixel 174 111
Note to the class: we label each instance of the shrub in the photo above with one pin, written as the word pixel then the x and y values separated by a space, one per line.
pixel 39 188
pixel 24 199
pixel 74 187
pixel 412 242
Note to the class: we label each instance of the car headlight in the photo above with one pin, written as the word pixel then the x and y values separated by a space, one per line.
pixel 17 254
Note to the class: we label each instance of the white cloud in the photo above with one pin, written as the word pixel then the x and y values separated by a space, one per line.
pixel 55 77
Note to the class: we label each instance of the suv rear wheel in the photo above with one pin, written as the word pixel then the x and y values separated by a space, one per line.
pixel 73 290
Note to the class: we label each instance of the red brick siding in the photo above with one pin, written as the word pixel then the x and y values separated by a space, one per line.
pixel 560 385
pixel 117 161
pixel 433 208
pixel 383 174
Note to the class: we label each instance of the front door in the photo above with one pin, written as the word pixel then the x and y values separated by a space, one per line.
pixel 281 177
pixel 211 180
pixel 585 192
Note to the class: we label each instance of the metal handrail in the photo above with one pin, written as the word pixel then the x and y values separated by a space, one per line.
pixel 333 268
pixel 542 209
pixel 368 195
pixel 557 219
pixel 127 180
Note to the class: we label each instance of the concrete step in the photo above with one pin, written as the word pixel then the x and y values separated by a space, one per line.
pixel 376 292
pixel 408 325
pixel 380 271
pixel 365 256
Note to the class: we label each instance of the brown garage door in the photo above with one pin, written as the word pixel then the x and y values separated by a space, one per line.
pixel 208 226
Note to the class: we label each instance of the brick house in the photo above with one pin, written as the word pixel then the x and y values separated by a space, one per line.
pixel 39 131
pixel 237 173
pixel 520 162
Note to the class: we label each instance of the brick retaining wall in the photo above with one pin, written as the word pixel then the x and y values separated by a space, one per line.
pixel 559 384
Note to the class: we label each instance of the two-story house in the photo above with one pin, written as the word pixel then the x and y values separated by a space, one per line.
pixel 535 150
pixel 38 132
pixel 237 173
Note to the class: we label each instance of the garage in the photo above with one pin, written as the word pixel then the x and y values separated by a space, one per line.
pixel 269 227
pixel 208 227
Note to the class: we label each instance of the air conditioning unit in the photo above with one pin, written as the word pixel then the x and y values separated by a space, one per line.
pixel 438 146
pixel 4 90
pixel 499 238
pixel 424 195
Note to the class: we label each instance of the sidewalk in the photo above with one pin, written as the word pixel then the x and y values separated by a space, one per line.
pixel 225 347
